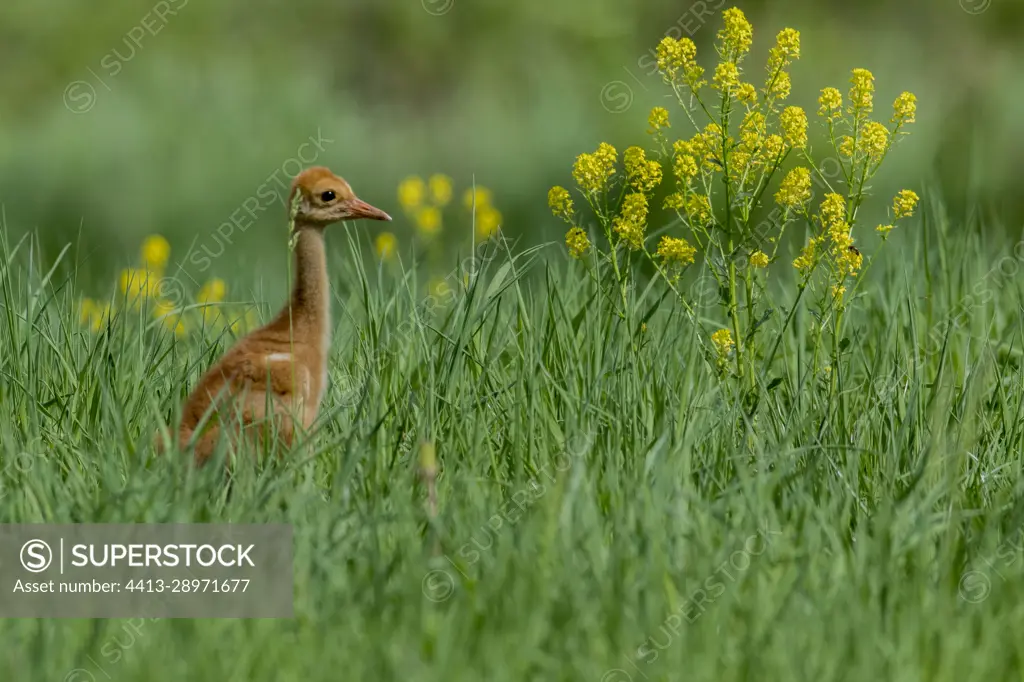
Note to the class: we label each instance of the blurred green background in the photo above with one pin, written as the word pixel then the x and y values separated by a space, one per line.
pixel 123 119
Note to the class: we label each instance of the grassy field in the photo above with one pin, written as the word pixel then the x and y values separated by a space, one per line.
pixel 607 508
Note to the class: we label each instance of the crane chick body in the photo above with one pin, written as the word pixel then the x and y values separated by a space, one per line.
pixel 274 378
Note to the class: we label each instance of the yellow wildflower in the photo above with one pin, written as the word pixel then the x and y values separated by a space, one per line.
pixel 428 220
pixel 793 121
pixel 727 77
pixel 848 260
pixel 831 105
pixel 578 242
pixel 759 259
pixel 795 190
pixel 884 230
pixel 708 147
pixel 440 189
pixel 839 233
pixel 658 119
pixel 674 55
pixel 673 201
pixel 787 42
pixel 772 148
pixel 642 175
pixel 904 203
pixel 808 257
pixel 560 203
pixel 747 94
pixel 737 35
pixel 723 342
pixel 607 156
pixel 675 251
pixel 862 90
pixel 212 292
pixel 778 88
pixel 874 140
pixel 411 192
pixel 155 253
pixel 833 210
pixel 753 123
pixel 478 197
pixel 786 49
pixel 698 209
pixel 488 220
pixel 904 109
pixel 631 222
pixel 685 164
pixel 591 171
pixel 846 146
pixel 837 293
pixel 385 245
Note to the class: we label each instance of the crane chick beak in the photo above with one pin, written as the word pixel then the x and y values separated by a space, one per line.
pixel 357 208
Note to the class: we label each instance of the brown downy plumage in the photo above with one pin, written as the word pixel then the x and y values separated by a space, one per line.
pixel 280 370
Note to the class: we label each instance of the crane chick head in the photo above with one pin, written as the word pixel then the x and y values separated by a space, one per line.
pixel 325 198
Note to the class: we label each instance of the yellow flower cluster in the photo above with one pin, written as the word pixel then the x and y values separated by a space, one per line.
pixel 698 210
pixel 641 174
pixel 578 242
pixel 727 77
pixel 486 218
pixel 685 166
pixel 735 39
pixel 846 146
pixel 145 287
pixel 759 259
pixel 874 141
pixel 680 55
pixel 808 257
pixel 795 190
pixel 780 57
pixel 830 104
pixel 833 211
pixel 631 223
pixel 903 206
pixel 385 245
pixel 591 171
pixel 143 283
pixel 833 220
pixel 747 94
pixel 787 47
pixel 793 121
pixel 138 284
pixel 423 201
pixel 723 343
pixel 774 145
pixel 658 119
pixel 904 109
pixel 754 149
pixel 676 251
pixel 862 92
pixel 905 203
pixel 708 147
pixel 560 203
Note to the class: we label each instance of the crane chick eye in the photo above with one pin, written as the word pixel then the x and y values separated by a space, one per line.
pixel 327 196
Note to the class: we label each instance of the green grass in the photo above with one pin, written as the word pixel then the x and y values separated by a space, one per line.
pixel 605 510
